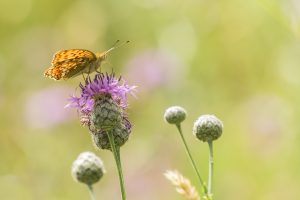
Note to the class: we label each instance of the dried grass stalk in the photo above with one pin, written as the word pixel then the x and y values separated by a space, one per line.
pixel 183 185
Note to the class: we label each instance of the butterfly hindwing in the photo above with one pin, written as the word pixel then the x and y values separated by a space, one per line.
pixel 71 68
pixel 54 73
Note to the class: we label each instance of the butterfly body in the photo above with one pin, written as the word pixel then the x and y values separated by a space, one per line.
pixel 73 62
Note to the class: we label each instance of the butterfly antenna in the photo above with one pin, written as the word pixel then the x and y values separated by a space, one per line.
pixel 116 42
pixel 115 46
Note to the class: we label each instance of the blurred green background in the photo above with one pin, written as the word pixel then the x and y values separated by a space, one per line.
pixel 239 60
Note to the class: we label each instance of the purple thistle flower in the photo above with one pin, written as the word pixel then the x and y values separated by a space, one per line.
pixel 103 84
pixel 102 107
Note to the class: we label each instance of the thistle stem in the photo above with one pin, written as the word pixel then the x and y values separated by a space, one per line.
pixel 116 152
pixel 191 158
pixel 121 174
pixel 210 168
pixel 92 194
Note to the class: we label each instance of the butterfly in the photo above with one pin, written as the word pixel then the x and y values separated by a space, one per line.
pixel 73 62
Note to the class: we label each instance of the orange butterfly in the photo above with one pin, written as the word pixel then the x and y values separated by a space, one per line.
pixel 73 62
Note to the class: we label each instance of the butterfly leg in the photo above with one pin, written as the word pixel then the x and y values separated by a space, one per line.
pixel 99 70
pixel 88 77
pixel 84 78
pixel 89 72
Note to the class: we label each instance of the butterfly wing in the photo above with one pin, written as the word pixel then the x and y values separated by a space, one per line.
pixel 72 54
pixel 70 63
pixel 54 73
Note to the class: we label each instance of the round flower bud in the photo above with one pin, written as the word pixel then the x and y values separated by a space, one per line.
pixel 88 168
pixel 208 128
pixel 175 115
pixel 120 133
pixel 106 113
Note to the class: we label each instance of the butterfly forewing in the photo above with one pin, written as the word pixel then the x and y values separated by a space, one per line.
pixel 73 54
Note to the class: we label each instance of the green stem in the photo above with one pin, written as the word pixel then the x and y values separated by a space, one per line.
pixel 121 174
pixel 211 168
pixel 116 152
pixel 191 158
pixel 91 192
